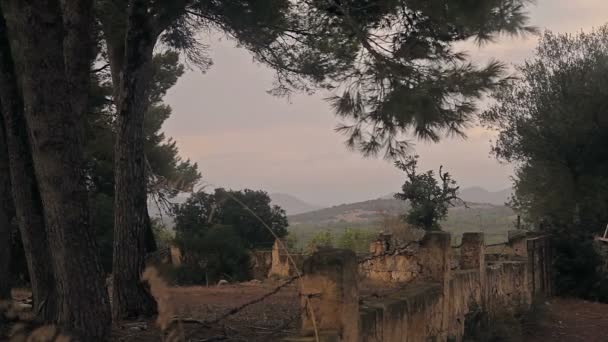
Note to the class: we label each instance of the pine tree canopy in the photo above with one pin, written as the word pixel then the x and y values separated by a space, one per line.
pixel 392 63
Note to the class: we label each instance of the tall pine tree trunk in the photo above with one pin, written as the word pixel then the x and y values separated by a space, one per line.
pixel 6 215
pixel 39 41
pixel 28 206
pixel 130 297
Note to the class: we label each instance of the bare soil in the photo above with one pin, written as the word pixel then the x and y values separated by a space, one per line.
pixel 269 320
pixel 278 316
pixel 571 320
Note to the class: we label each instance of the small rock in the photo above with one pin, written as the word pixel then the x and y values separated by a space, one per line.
pixel 222 282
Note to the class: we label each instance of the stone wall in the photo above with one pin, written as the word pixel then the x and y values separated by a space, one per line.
pixel 433 297
pixel 399 266
pixel 261 262
pixel 282 262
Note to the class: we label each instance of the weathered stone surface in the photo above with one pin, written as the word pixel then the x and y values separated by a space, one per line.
pixel 330 294
pixel 261 262
pixel 472 251
pixel 282 263
pixel 435 302
pixel 395 268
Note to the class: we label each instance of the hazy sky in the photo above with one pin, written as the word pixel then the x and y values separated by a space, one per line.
pixel 242 137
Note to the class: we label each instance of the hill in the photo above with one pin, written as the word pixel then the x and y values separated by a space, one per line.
pixel 480 195
pixel 291 204
pixel 365 211
pixel 494 220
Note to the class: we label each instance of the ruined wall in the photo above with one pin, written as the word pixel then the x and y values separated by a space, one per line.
pixel 261 262
pixel 281 265
pixel 413 314
pixel 515 248
pixel 437 288
pixel 508 287
pixel 400 267
pixel 465 296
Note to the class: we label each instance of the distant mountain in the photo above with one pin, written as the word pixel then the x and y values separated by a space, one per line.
pixel 494 220
pixel 480 195
pixel 371 210
pixel 292 204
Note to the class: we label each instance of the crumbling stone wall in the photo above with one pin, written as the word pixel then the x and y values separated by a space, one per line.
pixel 515 248
pixel 261 262
pixel 281 265
pixel 400 266
pixel 434 305
pixel 508 287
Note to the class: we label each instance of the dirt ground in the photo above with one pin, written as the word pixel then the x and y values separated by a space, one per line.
pixel 278 316
pixel 571 320
pixel 268 320
pixel 567 320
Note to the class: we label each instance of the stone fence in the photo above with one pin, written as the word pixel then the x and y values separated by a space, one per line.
pixel 434 287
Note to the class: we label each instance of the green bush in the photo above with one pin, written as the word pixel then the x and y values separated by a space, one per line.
pixel 218 253
pixel 577 267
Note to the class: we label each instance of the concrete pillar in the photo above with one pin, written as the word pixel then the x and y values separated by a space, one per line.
pixel 473 256
pixel 330 294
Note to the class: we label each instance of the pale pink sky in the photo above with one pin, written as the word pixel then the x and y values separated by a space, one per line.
pixel 243 137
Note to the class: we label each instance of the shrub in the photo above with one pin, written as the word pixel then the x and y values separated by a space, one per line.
pixel 218 253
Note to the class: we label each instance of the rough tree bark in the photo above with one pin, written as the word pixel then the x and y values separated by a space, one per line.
pixel 130 297
pixel 40 42
pixel 28 206
pixel 6 215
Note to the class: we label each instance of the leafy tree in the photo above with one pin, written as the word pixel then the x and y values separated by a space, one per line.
pixel 167 174
pixel 243 210
pixel 553 126
pixel 196 214
pixel 322 239
pixel 215 231
pixel 291 242
pixel 356 239
pixel 163 235
pixel 210 255
pixel 428 196
pixel 247 221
